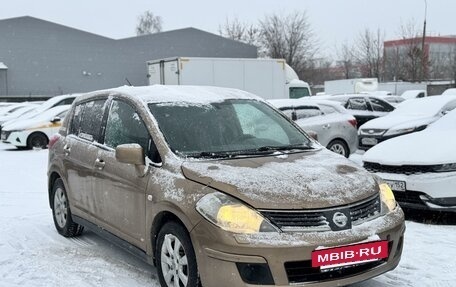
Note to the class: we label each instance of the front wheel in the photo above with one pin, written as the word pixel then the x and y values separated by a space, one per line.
pixel 339 147
pixel 176 260
pixel 37 140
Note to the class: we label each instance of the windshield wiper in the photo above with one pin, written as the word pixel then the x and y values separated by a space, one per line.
pixel 282 148
pixel 207 154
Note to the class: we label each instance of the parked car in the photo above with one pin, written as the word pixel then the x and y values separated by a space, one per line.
pixel 420 167
pixel 414 94
pixel 363 107
pixel 18 112
pixel 215 186
pixel 450 92
pixel 7 109
pixel 411 116
pixel 35 132
pixel 335 127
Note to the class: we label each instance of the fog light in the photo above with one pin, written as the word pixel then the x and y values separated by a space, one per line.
pixel 255 273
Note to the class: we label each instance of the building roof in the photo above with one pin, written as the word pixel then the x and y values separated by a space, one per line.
pixel 428 40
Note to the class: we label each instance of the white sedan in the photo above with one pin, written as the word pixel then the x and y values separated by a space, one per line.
pixel 420 167
pixel 35 132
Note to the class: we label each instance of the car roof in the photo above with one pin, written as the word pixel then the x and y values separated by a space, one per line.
pixel 175 94
pixel 284 103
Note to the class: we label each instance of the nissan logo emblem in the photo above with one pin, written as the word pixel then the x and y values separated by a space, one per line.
pixel 340 219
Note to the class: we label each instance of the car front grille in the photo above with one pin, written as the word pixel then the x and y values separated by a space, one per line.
pixel 302 271
pixel 399 169
pixel 318 220
pixel 5 135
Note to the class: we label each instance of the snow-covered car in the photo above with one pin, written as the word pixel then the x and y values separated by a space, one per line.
pixel 414 94
pixel 20 111
pixel 49 104
pixel 449 92
pixel 217 188
pixel 334 126
pixel 7 109
pixel 362 106
pixel 35 132
pixel 420 167
pixel 410 116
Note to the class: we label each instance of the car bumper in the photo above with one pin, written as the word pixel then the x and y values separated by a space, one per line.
pixel 15 138
pixel 429 191
pixel 225 259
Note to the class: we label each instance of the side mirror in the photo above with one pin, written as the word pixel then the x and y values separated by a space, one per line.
pixel 294 116
pixel 55 120
pixel 130 153
pixel 313 135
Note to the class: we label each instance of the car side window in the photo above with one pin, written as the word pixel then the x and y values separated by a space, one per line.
pixel 379 106
pixel 87 119
pixel 357 104
pixel 125 126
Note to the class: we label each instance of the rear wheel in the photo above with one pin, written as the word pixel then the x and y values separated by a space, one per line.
pixel 339 147
pixel 176 260
pixel 37 140
pixel 61 212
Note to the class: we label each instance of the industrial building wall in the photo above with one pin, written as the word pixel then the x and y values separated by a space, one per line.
pixel 50 59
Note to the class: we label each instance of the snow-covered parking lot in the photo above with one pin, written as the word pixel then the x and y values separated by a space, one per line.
pixel 33 254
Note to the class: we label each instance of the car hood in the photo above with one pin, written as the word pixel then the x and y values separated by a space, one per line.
pixel 397 122
pixel 307 180
pixel 421 148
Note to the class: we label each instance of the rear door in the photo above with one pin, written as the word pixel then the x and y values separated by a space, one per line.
pixel 360 109
pixel 80 154
pixel 120 189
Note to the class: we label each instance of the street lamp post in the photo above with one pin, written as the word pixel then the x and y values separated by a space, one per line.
pixel 423 54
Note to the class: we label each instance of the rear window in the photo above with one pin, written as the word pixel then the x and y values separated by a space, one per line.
pixel 87 119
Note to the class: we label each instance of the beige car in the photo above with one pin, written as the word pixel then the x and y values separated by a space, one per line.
pixel 215 187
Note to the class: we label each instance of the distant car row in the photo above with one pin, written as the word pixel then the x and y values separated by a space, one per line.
pixel 30 125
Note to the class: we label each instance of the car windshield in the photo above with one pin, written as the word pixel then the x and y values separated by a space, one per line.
pixel 231 127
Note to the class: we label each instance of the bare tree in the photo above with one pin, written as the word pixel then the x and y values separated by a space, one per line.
pixel 240 31
pixel 148 23
pixel 368 52
pixel 290 38
pixel 346 61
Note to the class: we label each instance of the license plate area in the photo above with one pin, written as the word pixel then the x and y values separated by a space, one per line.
pixel 337 257
pixel 397 185
pixel 369 141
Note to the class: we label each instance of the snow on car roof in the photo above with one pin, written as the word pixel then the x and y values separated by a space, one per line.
pixel 282 103
pixel 428 106
pixel 183 94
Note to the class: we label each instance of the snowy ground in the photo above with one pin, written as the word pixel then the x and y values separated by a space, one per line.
pixel 33 254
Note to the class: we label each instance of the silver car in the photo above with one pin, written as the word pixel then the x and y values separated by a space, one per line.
pixel 334 126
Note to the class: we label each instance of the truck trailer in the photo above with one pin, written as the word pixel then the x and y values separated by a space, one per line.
pixel 267 78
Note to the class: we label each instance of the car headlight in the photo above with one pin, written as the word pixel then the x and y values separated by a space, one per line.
pixel 387 196
pixel 399 131
pixel 445 167
pixel 232 215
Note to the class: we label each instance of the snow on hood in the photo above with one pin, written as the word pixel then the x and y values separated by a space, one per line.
pixel 298 181
pixel 38 120
pixel 428 147
pixel 397 122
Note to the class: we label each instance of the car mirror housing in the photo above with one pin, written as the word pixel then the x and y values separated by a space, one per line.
pixel 130 153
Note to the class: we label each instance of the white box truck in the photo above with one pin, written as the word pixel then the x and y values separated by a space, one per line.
pixel 267 78
pixel 351 86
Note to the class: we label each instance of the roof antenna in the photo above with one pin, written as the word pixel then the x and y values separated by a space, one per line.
pixel 126 79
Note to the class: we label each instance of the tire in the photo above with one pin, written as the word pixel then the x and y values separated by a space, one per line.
pixel 173 236
pixel 37 140
pixel 61 212
pixel 339 147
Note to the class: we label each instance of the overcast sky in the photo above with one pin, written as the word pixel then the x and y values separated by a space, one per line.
pixel 334 21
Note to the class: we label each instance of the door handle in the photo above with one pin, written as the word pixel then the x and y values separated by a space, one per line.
pixel 67 149
pixel 327 126
pixel 100 164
